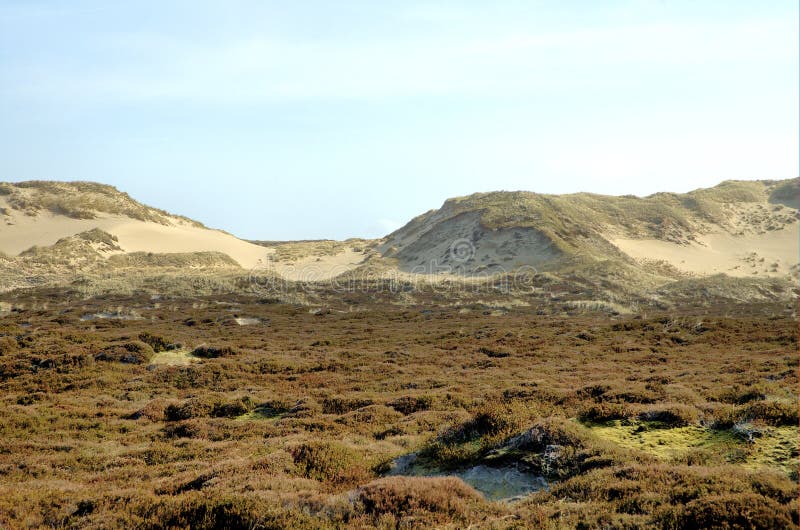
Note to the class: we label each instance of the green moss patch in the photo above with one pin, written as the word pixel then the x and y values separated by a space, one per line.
pixel 774 447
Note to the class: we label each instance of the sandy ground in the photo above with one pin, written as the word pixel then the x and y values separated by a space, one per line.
pixel 751 255
pixel 174 358
pixel 140 236
pixel 315 268
pixel 134 236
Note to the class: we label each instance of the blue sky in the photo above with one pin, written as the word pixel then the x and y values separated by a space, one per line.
pixel 320 119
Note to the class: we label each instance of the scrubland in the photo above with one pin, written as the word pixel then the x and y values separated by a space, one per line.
pixel 235 412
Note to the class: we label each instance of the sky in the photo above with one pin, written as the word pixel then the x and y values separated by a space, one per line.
pixel 314 119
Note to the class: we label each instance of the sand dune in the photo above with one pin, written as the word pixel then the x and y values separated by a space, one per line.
pixel 480 234
pixel 768 254
pixel 134 236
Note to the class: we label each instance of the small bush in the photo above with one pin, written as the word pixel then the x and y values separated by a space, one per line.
pixel 232 409
pixel 495 354
pixel 729 511
pixel 8 345
pixel 191 408
pixel 153 411
pixel 371 417
pixel 199 511
pixel 159 344
pixel 342 405
pixel 134 352
pixel 209 352
pixel 409 405
pixel 305 408
pixel 603 412
pixel 194 428
pixel 329 461
pixel 673 415
pixel 410 496
pixel 771 412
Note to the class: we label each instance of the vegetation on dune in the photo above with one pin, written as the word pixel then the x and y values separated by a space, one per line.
pixel 577 226
pixel 665 216
pixel 79 200
pixel 173 260
pixel 297 250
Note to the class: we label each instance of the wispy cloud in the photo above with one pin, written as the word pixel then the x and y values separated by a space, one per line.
pixel 262 69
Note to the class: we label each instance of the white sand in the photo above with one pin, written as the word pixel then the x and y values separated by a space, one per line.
pixel 722 252
pixel 313 268
pixel 134 236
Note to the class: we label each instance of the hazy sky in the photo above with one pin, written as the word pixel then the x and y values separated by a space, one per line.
pixel 310 119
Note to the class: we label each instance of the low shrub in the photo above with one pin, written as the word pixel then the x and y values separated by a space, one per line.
pixel 342 405
pixel 153 411
pixel 729 511
pixel 8 345
pixel 133 352
pixel 159 344
pixel 771 412
pixel 495 419
pixel 411 404
pixel 672 414
pixel 331 462
pixel 193 428
pixel 234 408
pixel 210 352
pixel 412 495
pixel 191 408
pixel 371 417
pixel 604 412
pixel 202 512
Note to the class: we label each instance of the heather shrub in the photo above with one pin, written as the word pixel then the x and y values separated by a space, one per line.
pixel 210 352
pixel 411 404
pixel 191 408
pixel 370 417
pixel 603 412
pixel 191 428
pixel 728 511
pixel 671 414
pixel 153 411
pixel 233 408
pixel 133 352
pixel 411 496
pixel 331 462
pixel 8 345
pixel 771 412
pixel 341 404
pixel 198 511
pixel 156 342
pixel 489 425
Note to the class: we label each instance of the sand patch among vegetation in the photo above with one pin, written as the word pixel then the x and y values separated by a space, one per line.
pixel 768 254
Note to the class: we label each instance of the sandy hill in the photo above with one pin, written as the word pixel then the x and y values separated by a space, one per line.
pixel 42 214
pixel 739 228
pixel 737 241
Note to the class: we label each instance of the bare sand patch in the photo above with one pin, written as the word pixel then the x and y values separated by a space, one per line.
pixel 318 268
pixel 769 254
pixel 46 228
pixel 174 358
